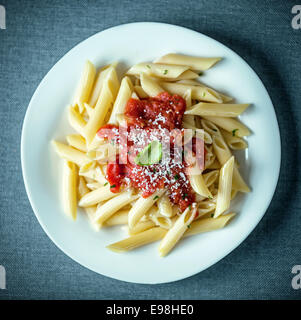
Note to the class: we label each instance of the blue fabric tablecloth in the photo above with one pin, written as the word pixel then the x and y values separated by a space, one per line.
pixel 38 34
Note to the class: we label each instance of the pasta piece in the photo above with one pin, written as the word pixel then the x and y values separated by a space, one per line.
pixel 96 196
pixel 205 207
pixel 124 94
pixel 141 93
pixel 165 207
pixel 210 127
pixel 86 83
pixel 176 232
pixel 110 207
pixel 141 206
pixel 224 97
pixel 138 240
pixel 188 97
pixel 209 224
pixel 92 171
pixel 233 194
pixel 223 154
pixel 163 222
pixel 69 189
pixel 89 110
pixel 234 142
pixel 70 154
pixel 120 217
pixel 198 185
pixel 158 70
pixel 151 87
pixel 104 153
pixel 199 93
pixel 217 110
pixel 90 211
pixel 188 74
pixel 214 165
pixel 96 143
pixel 94 185
pixel 230 125
pixel 77 141
pixel 76 121
pixel 103 72
pixel 134 96
pixel 195 63
pixel 157 233
pixel 103 105
pixel 142 226
pixel 224 188
pixel 210 177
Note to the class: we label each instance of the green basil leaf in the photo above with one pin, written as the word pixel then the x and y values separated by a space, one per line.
pixel 151 154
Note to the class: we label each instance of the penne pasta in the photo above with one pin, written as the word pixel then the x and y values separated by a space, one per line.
pixel 223 154
pixel 230 125
pixel 138 240
pixel 77 141
pixel 142 226
pixel 234 142
pixel 69 153
pixel 198 185
pixel 176 232
pixel 154 194
pixel 106 210
pixel 158 70
pixel 120 217
pixel 93 172
pixel 224 97
pixel 98 83
pixel 157 233
pixel 224 188
pixel 124 94
pixel 188 98
pixel 195 63
pixel 103 105
pixel 76 121
pixel 209 224
pixel 90 211
pixel 141 206
pixel 69 189
pixel 210 177
pixel 85 85
pixel 96 196
pixel 151 87
pixel 217 110
pixel 204 207
pixel 165 207
pixel 140 92
pixel 198 93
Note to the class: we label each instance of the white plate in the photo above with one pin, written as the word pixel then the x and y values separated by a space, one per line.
pixel 44 120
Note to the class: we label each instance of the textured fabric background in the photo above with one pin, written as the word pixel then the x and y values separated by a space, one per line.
pixel 38 34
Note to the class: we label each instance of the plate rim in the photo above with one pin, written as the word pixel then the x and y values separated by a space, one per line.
pixel 217 259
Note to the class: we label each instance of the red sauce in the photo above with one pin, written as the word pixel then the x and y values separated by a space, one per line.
pixel 164 113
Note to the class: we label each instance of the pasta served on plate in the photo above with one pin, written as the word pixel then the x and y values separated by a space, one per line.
pixel 152 152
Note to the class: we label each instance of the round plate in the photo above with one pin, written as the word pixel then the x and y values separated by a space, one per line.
pixel 46 119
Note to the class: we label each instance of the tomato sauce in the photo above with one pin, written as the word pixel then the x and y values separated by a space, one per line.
pixel 153 119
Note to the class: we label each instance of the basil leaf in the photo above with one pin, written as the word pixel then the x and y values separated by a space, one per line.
pixel 151 154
